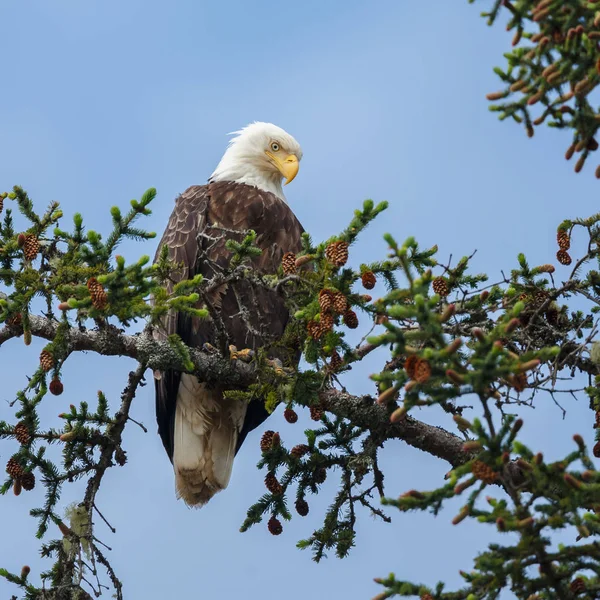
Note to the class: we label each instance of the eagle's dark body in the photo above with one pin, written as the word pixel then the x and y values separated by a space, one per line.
pixel 200 430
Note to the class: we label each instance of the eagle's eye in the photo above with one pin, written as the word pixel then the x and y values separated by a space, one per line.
pixel 275 147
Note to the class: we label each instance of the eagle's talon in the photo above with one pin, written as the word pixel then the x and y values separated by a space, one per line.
pixel 209 348
pixel 245 355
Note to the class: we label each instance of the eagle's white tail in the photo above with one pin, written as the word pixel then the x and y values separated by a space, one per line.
pixel 205 437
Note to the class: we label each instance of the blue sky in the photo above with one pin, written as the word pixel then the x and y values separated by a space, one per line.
pixel 101 100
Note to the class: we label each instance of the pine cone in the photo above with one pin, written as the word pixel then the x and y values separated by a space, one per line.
pixel 46 360
pixel 520 382
pixel 13 468
pixel 336 361
pixel 266 441
pixel 350 319
pixel 320 475
pixel 563 257
pixel 56 387
pixel 22 434
pixel 326 322
pixel 340 303
pixel 274 526
pixel 368 280
pixel 316 414
pixel 410 365
pixel 288 263
pixel 273 485
pixel 314 329
pixel 31 247
pixel 552 316
pixel 484 472
pixel 597 423
pixel 337 253
pixel 28 481
pixel 120 456
pixel 440 286
pixel 577 586
pixel 97 294
pixel 422 371
pixel 291 416
pixel 563 239
pixel 326 300
pixel 301 507
pixel 300 450
pixel 596 450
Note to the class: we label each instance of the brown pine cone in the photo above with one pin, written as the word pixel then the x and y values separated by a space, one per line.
pixel 422 371
pixel 320 475
pixel 316 414
pixel 340 303
pixel 563 239
pixel 410 365
pixel 440 286
pixel 300 450
pixel 288 263
pixel 56 387
pixel 31 247
pixel 597 423
pixel 46 360
pixel 326 300
pixel 336 361
pixel 120 456
pixel 337 253
pixel 266 441
pixel 552 316
pixel 350 319
pixel 596 450
pixel 291 416
pixel 273 485
pixel 368 280
pixel 274 526
pixel 520 382
pixel 563 257
pixel 301 507
pixel 577 586
pixel 22 434
pixel 28 481
pixel 326 321
pixel 13 468
pixel 484 472
pixel 314 329
pixel 97 293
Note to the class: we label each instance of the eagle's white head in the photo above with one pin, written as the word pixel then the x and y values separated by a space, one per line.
pixel 262 155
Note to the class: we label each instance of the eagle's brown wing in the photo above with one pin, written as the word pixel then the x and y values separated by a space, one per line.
pixel 203 219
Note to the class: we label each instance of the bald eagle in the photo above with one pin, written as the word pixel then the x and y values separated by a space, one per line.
pixel 200 430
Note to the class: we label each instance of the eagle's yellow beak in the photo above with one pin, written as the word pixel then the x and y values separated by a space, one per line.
pixel 288 167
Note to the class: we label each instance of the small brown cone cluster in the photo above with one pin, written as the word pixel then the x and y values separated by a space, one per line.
pixel 31 246
pixel 301 507
pixel 274 526
pixel 484 472
pixel 577 586
pixel 316 412
pixel 563 239
pixel 28 481
pixel 314 329
pixel 337 253
pixel 56 387
pixel 266 441
pixel 46 360
pixel 288 263
pixel 422 371
pixel 273 485
pixel 368 280
pixel 350 319
pixel 22 434
pixel 327 321
pixel 564 258
pixel 519 382
pixel 14 469
pixel 440 286
pixel 326 300
pixel 120 456
pixel 336 361
pixel 410 365
pixel 300 450
pixel 97 293
pixel 552 315
pixel 290 415
pixel 340 303
pixel 320 475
